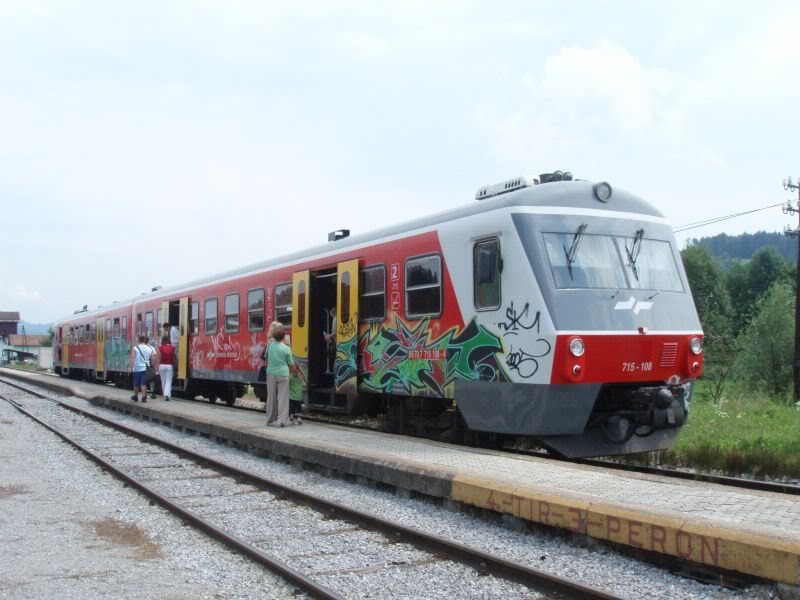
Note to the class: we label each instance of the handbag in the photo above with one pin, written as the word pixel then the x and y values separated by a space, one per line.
pixel 149 373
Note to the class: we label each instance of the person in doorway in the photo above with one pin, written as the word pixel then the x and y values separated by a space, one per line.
pixel 140 359
pixel 330 340
pixel 166 359
pixel 279 364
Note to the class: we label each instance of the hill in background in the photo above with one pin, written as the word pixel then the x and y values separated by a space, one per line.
pixel 742 246
pixel 34 328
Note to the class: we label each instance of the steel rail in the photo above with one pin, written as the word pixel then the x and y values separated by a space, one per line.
pixel 234 542
pixel 484 562
pixel 739 482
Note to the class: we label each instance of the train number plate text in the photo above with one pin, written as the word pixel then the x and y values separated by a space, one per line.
pixel 637 367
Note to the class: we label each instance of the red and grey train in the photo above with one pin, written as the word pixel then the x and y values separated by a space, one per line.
pixel 550 309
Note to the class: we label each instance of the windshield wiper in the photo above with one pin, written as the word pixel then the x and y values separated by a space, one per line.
pixel 633 253
pixel 572 251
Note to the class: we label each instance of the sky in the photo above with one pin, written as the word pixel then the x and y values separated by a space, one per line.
pixel 149 143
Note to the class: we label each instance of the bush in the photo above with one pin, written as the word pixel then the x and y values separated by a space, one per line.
pixel 767 345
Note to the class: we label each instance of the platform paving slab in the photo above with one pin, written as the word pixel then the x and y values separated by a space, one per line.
pixel 748 531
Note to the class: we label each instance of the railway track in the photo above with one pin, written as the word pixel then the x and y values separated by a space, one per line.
pixel 268 521
pixel 740 482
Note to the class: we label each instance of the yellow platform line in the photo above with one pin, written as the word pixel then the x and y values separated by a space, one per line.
pixel 724 547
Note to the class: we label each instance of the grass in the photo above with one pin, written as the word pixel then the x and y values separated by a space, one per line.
pixel 747 432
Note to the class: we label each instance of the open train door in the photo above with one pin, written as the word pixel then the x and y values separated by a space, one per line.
pixel 300 304
pixel 345 370
pixel 100 358
pixel 183 337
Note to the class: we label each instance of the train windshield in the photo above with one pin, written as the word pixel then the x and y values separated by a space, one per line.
pixel 584 260
pixel 650 264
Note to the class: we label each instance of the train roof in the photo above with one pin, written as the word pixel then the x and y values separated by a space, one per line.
pixel 575 194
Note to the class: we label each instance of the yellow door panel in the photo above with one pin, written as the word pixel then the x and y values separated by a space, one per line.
pixel 100 359
pixel 300 304
pixel 183 333
pixel 346 365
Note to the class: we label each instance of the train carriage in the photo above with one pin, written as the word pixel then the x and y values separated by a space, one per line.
pixel 547 309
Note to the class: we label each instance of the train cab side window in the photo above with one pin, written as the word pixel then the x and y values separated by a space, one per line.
pixel 372 301
pixel 92 332
pixel 486 267
pixel 194 318
pixel 211 316
pixel 255 310
pixel 138 324
pixel 231 313
pixel 148 324
pixel 125 328
pixel 423 286
pixel 108 329
pixel 283 304
pixel 115 332
pixel 159 322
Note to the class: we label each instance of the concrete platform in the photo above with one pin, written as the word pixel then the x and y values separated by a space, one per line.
pixel 752 532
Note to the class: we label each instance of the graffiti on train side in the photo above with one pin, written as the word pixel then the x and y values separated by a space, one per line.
pixel 404 358
pixel 519 320
pixel 345 367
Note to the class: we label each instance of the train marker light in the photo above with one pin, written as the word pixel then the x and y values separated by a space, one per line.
pixel 603 191
pixel 696 345
pixel 576 347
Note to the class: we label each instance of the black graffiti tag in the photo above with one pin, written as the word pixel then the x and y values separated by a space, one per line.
pixel 524 363
pixel 518 320
pixel 347 329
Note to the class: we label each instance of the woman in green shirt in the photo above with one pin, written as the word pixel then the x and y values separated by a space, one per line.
pixel 279 364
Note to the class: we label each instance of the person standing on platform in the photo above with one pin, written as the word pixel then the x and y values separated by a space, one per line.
pixel 140 359
pixel 271 407
pixel 166 358
pixel 279 364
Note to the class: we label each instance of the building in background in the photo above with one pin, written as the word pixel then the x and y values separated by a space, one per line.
pixel 9 321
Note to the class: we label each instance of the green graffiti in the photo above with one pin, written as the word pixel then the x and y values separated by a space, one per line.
pixel 404 359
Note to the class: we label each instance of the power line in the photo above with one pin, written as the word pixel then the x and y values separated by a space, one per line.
pixel 711 221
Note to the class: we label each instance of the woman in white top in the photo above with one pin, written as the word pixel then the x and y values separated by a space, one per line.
pixel 140 360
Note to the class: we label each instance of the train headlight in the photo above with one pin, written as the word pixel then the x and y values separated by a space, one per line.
pixel 576 347
pixel 696 345
pixel 603 191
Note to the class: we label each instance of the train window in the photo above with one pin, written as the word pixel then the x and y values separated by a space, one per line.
pixel 582 260
pixel 93 332
pixel 138 324
pixel 211 316
pixel 82 334
pixel 650 264
pixel 424 286
pixel 486 267
pixel 115 332
pixel 345 295
pixel 232 313
pixel 108 327
pixel 125 328
pixel 283 304
pixel 372 303
pixel 255 310
pixel 158 319
pixel 148 324
pixel 194 319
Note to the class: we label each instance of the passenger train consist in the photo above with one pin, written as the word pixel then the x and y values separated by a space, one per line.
pixel 550 309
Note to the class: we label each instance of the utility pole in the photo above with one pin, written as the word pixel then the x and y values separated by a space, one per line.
pixel 795 233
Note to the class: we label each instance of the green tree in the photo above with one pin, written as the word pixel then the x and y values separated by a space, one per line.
pixel 708 290
pixel 748 282
pixel 767 345
pixel 48 343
